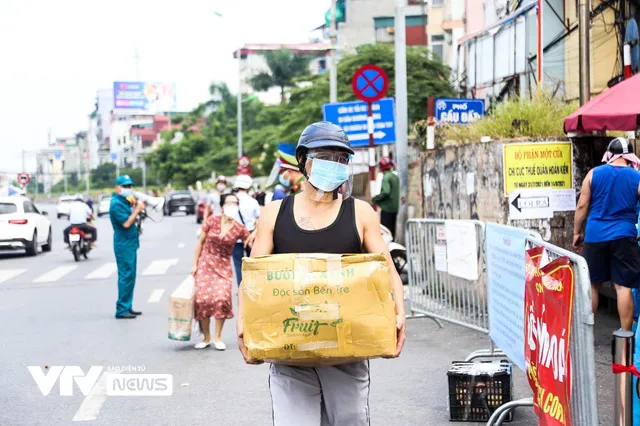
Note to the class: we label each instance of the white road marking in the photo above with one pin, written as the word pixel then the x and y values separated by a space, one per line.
pixel 54 274
pixel 156 295
pixel 181 245
pixel 160 267
pixel 10 273
pixel 92 403
pixel 105 271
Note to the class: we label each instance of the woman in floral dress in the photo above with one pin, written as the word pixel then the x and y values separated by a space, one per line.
pixel 213 271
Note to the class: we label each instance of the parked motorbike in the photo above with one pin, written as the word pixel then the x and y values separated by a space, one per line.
pixel 80 243
pixel 398 254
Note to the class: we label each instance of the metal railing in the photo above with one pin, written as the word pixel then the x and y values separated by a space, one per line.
pixel 437 294
pixel 584 404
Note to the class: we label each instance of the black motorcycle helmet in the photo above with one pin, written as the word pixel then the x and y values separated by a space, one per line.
pixel 620 146
pixel 320 135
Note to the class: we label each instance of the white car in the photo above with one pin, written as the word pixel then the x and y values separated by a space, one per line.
pixel 63 205
pixel 103 205
pixel 23 226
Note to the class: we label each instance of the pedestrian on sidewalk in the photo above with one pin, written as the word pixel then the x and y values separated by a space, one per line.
pixel 323 218
pixel 212 269
pixel 608 201
pixel 125 243
pixel 248 214
pixel 389 197
pixel 213 198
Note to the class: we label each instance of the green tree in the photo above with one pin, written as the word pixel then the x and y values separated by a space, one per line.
pixel 426 77
pixel 284 68
pixel 214 149
pixel 103 176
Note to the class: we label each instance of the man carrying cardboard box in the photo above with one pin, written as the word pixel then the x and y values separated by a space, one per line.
pixel 322 219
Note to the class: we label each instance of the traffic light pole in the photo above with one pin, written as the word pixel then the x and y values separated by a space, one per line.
pixel 333 70
pixel 239 103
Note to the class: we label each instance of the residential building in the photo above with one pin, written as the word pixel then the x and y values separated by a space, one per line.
pixel 482 72
pixel 63 159
pixel 253 62
pixel 104 116
pixel 502 57
pixel 123 143
pixel 372 21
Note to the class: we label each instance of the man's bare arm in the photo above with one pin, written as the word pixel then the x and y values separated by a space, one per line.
pixel 262 246
pixel 374 243
pixel 583 204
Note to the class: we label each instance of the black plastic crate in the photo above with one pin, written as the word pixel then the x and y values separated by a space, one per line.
pixel 477 389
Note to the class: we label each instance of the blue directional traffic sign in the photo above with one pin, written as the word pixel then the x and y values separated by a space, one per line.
pixel 114 156
pixel 459 111
pixel 352 117
pixel 57 155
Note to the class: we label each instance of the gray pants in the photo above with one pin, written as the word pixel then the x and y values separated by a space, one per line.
pixel 320 396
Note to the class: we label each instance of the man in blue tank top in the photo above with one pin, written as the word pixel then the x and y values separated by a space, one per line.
pixel 323 218
pixel 609 197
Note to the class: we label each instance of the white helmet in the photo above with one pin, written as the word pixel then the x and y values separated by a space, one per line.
pixel 79 197
pixel 243 182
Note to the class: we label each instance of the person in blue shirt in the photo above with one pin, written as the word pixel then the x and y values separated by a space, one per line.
pixel 125 243
pixel 609 197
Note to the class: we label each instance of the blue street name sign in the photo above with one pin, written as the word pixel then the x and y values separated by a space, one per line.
pixel 114 156
pixel 352 117
pixel 459 111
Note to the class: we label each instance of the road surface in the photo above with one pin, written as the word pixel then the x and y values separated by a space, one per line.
pixel 58 312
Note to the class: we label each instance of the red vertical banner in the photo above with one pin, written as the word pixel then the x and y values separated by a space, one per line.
pixel 548 304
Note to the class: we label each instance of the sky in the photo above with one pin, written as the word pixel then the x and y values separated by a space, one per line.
pixel 55 56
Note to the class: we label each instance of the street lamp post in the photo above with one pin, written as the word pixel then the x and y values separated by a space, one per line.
pixel 240 102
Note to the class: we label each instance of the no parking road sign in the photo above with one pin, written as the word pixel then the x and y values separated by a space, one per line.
pixel 24 178
pixel 370 83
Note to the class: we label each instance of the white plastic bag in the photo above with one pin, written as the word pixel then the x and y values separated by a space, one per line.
pixel 181 310
pixel 196 333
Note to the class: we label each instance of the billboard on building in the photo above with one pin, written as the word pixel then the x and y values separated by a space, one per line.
pixel 138 97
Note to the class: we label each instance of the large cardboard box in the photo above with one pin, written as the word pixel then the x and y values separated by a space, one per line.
pixel 317 309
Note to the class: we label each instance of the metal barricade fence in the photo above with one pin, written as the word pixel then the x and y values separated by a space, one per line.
pixel 435 293
pixel 584 404
pixel 438 295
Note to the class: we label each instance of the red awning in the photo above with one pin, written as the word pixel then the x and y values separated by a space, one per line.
pixel 614 109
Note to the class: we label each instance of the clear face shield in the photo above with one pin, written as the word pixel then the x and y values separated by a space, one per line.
pixel 330 173
pixel 273 175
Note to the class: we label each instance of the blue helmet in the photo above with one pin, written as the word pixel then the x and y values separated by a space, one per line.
pixel 323 135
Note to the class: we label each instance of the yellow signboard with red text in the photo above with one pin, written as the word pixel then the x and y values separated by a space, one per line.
pixel 538 165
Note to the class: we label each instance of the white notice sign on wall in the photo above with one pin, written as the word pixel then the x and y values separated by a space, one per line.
pixel 462 251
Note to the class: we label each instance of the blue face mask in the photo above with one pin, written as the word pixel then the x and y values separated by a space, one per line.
pixel 125 192
pixel 328 175
pixel 284 182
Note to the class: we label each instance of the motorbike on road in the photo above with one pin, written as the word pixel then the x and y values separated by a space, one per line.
pixel 80 243
pixel 398 254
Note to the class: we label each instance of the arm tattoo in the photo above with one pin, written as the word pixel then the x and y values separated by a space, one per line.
pixel 306 223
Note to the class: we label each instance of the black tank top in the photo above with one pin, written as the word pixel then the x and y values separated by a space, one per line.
pixel 341 237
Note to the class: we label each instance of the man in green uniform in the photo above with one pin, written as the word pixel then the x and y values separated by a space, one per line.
pixel 291 178
pixel 389 197
pixel 125 243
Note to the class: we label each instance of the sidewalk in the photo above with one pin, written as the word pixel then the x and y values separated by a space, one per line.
pixel 417 387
